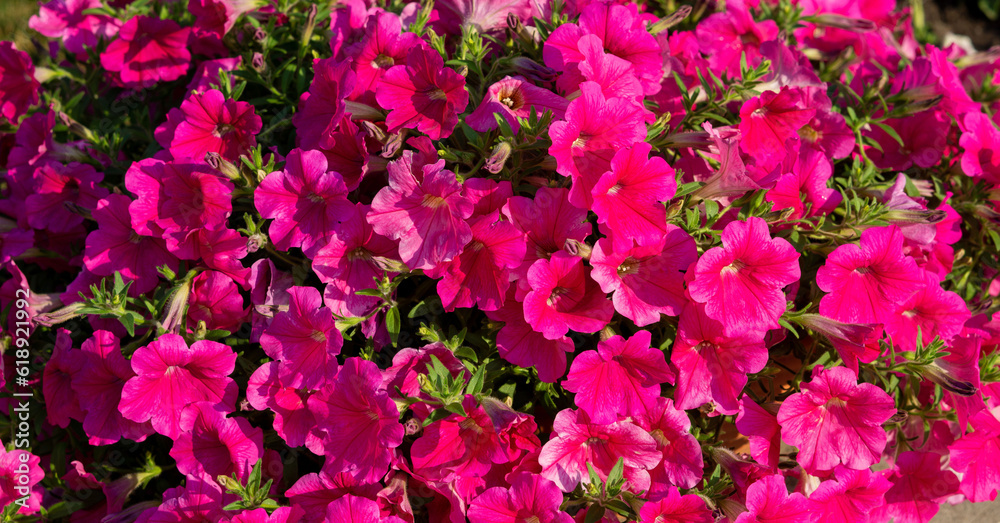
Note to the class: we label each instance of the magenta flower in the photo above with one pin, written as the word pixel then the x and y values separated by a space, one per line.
pixel 646 281
pixel 622 31
pixel 321 109
pixel 313 492
pixel 933 310
pixel 20 476
pixel 347 263
pixel 980 143
pixel 628 198
pixel 18 87
pixel 529 496
pixel 360 421
pixel 148 50
pixel 349 156
pixel 55 185
pixel 682 463
pixel 675 508
pixel 215 300
pixel 293 421
pixel 219 249
pixel 576 442
pixel 976 456
pixel 305 339
pixel 712 367
pixel 356 509
pixel 65 19
pixel 210 443
pixel 384 45
pixel 170 375
pixel 836 420
pixel 211 123
pixel 866 282
pixel 805 184
pixel 177 197
pixel 423 94
pixel 520 344
pixel 486 16
pixel 513 98
pixel 854 342
pixel 115 246
pixel 616 76
pixel 547 221
pixel 740 283
pixel 769 121
pixel 619 378
pixel 280 515
pixel 481 273
pixel 851 497
pixel 760 426
pixel 725 37
pixel 563 297
pixel 99 385
pixel 60 369
pixel 924 135
pixel 594 129
pixel 459 446
pixel 200 499
pixel 768 501
pixel 409 364
pixel 426 213
pixel 305 200
pixel 920 484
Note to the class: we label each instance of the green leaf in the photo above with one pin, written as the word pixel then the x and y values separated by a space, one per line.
pixel 594 514
pixel 891 132
pixel 456 408
pixel 369 292
pixel 595 480
pixel 616 478
pixel 392 324
pixel 128 321
pixel 476 383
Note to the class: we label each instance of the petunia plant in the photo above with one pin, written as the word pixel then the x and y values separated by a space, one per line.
pixel 496 262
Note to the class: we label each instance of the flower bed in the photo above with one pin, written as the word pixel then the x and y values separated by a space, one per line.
pixel 496 262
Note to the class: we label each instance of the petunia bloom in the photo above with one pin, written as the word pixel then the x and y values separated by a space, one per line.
pixel 768 501
pixel 148 50
pixel 619 378
pixel 210 443
pixel 423 94
pixel 305 339
pixel 740 283
pixel 529 496
pixel 18 87
pixel 514 97
pixel 211 123
pixel 65 19
pixel 322 107
pixel 563 297
pixel 170 375
pixel 836 420
pixel 770 121
pixel 481 274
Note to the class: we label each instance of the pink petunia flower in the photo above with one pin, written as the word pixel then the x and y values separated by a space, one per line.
pixel 933 310
pixel 740 283
pixel 594 129
pixel 547 221
pixel 305 200
pixel 675 508
pixel 920 484
pixel 55 185
pixel 60 369
pixel 207 72
pixel 349 155
pixel 115 246
pixel 486 16
pixel 65 19
pixel 805 183
pixel 760 426
pixel 924 139
pixel 768 501
pixel 215 300
pixel 563 297
pixel 769 123
pixel 280 515
pixel 682 463
pixel 628 198
pixel 513 97
pixel 148 50
pixel 384 45
pixel 459 446
pixel 210 443
pixel 836 420
pixel 481 273
pixel 529 496
pixel 851 497
pixel 18 87
pixel 646 281
pixel 170 375
pixel 305 339
pixel 616 76
pixel 293 421
pixel 980 143
pixel 20 476
pixel 322 107
pixel 423 94
pixel 177 197
pixel 977 457
pixel 347 263
pixel 426 212
pixel 520 344
pixel 619 378
pixel 353 509
pixel 725 37
pixel 99 386
pixel 866 282
pixel 211 123
pixel 622 31
pixel 712 367
pixel 576 442
pixel 200 499
pixel 359 420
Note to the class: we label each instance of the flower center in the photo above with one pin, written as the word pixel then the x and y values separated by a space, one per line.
pixel 512 98
pixel 660 437
pixel 359 253
pixel 629 266
pixel 734 267
pixel 383 62
pixel 581 141
pixel 133 237
pixel 315 198
pixel 809 134
pixel 703 345
pixel 863 270
pixel 556 293
pixel 470 424
pixel 223 129
pixel 318 336
pixel 433 202
pixel 437 94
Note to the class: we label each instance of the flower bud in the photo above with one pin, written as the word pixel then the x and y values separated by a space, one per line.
pixel 257 62
pixel 577 248
pixel 857 25
pixel 670 20
pixel 914 216
pixel 64 314
pixel 936 374
pixel 224 166
pixel 496 161
pixel 533 70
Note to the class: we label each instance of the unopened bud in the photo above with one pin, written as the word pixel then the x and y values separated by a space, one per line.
pixel 76 208
pixel 533 70
pixel 670 20
pixel 224 166
pixel 360 111
pixel 914 216
pixel 62 315
pixel 256 242
pixel 496 161
pixel 577 248
pixel 257 62
pixel 857 25
pixel 389 264
pixel 687 140
pixel 260 35
pixel 936 374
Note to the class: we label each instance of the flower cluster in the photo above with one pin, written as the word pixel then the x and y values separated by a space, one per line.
pixel 498 262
